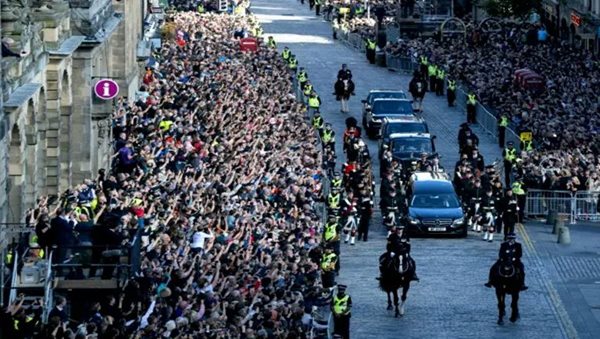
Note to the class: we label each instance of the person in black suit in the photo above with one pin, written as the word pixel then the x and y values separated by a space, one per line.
pixel 62 229
pixel 510 250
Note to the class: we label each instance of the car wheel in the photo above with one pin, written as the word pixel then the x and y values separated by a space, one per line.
pixel 464 232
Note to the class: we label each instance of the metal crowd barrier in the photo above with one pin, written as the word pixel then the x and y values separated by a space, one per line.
pixel 575 206
pixel 401 64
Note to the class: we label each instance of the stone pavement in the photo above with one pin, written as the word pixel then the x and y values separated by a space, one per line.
pixel 574 270
pixel 450 301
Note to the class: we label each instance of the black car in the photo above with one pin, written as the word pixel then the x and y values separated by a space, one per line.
pixel 385 108
pixel 407 147
pixel 400 125
pixel 434 207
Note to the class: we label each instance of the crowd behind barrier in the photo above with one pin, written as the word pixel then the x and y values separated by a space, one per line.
pixel 219 169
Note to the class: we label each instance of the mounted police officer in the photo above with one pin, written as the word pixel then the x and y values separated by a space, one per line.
pixel 398 242
pixel 344 73
pixel 512 251
pixel 341 306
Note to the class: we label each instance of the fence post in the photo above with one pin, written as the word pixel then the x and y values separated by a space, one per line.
pixel 572 220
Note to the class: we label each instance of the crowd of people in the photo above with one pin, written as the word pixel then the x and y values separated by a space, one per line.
pixel 219 169
pixel 562 116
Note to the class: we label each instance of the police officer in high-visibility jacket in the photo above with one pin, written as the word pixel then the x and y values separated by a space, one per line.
pixel 423 65
pixel 314 102
pixel 509 154
pixel 293 63
pixel 286 53
pixel 307 89
pixel 271 42
pixel 317 121
pixel 334 200
pixel 451 92
pixel 370 47
pixel 518 188
pixel 471 108
pixel 328 137
pixel 302 78
pixel 341 306
pixel 328 261
pixel 432 73
pixel 440 77
pixel 331 236
pixel 502 124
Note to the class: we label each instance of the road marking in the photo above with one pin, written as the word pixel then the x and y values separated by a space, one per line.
pixel 555 300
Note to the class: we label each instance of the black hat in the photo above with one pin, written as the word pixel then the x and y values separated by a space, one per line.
pixel 511 235
pixel 341 288
pixel 510 143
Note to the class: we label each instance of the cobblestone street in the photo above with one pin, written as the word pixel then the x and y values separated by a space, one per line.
pixel 450 301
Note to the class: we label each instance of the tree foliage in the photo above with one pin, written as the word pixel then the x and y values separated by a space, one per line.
pixel 511 8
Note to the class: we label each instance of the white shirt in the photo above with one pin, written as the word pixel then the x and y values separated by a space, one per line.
pixel 199 239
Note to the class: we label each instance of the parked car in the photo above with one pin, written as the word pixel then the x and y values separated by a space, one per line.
pixel 433 206
pixel 399 125
pixel 384 108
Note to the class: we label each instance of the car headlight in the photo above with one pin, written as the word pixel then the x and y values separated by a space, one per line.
pixel 412 221
pixel 458 221
pixel 376 120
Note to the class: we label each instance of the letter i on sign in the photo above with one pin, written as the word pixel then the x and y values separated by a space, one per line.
pixel 106 89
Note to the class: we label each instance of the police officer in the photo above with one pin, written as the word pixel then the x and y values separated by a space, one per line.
pixel 510 250
pixel 328 262
pixel 336 181
pixel 341 306
pixel 518 188
pixel 440 77
pixel 334 200
pixel 314 102
pixel 398 242
pixel 511 212
pixel 330 162
pixel 344 73
pixel 451 92
pixel 370 46
pixel 502 124
pixel 317 121
pixel 302 79
pixel 432 73
pixel 509 155
pixel 286 53
pixel 423 66
pixel 318 7
pixel 293 63
pixel 471 108
pixel 331 236
pixel 328 137
pixel 271 42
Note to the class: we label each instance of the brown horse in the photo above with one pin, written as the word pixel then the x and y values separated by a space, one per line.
pixel 396 272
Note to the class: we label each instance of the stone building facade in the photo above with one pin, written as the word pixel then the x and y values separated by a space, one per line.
pixel 53 132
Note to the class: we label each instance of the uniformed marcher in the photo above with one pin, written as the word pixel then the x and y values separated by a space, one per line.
pixel 499 204
pixel 451 92
pixel 365 210
pixel 341 307
pixel 328 262
pixel 471 108
pixel 511 212
pixel 510 158
pixel 488 214
pixel 510 250
pixel 502 124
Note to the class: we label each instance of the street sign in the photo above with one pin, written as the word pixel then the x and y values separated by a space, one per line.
pixel 106 89
pixel 526 136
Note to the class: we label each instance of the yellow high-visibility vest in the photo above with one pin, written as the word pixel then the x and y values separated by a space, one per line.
pixel 452 85
pixel 327 136
pixel 340 305
pixel 517 188
pixel 313 102
pixel 330 232
pixel 328 261
pixel 503 121
pixel 511 155
pixel 471 99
